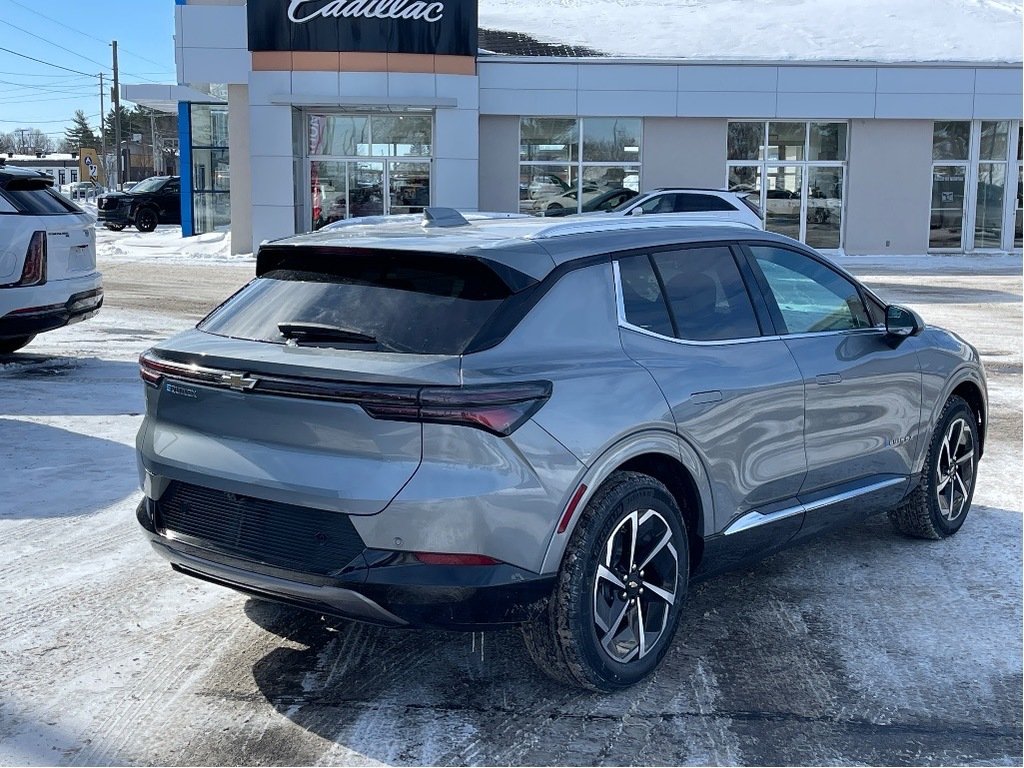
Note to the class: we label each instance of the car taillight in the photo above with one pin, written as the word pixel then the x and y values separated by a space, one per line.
pixel 150 370
pixel 34 271
pixel 497 408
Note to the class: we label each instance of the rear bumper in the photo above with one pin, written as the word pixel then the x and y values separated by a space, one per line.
pixel 48 307
pixel 377 586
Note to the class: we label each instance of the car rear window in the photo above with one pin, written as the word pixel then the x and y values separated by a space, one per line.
pixel 414 303
pixel 36 197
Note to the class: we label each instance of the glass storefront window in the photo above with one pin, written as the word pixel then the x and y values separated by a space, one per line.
pixel 209 126
pixel 782 200
pixel 786 141
pixel 211 168
pixel 988 212
pixel 947 218
pixel 745 178
pixel 827 141
pixel 544 186
pixel 798 183
pixel 746 141
pixel 409 187
pixel 824 215
pixel 548 139
pixel 951 140
pixel 339 135
pixel 555 176
pixel 1018 218
pixel 400 136
pixel 995 140
pixel 611 140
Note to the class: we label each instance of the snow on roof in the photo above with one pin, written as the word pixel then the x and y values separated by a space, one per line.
pixel 59 156
pixel 974 31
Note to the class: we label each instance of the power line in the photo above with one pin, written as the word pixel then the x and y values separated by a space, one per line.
pixel 40 61
pixel 91 37
pixel 50 42
pixel 44 122
pixel 47 74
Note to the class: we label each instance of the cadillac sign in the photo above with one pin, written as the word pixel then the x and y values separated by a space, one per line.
pixel 445 27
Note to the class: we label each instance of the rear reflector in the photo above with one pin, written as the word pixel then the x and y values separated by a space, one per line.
pixel 436 558
pixel 34 271
pixel 571 509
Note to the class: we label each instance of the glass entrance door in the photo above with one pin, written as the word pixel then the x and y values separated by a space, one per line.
pixel 345 189
pixel 367 165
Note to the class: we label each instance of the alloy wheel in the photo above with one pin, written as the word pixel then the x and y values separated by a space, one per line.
pixel 954 471
pixel 635 586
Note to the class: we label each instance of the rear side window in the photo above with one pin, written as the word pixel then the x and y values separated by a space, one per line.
pixel 414 303
pixel 687 202
pixel 706 297
pixel 642 298
pixel 706 293
pixel 35 197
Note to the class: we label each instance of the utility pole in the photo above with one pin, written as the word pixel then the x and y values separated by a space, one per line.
pixel 103 132
pixel 152 136
pixel 117 121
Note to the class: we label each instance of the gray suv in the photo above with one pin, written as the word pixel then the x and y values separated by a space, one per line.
pixel 472 425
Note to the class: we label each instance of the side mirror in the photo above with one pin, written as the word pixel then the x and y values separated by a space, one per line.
pixel 900 321
pixel 638 211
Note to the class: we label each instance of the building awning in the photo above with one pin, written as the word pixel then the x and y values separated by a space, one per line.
pixel 165 98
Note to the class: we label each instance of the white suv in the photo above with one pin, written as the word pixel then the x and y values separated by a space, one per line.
pixel 716 203
pixel 48 276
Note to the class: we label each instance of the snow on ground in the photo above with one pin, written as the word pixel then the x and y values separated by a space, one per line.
pixel 863 647
pixel 801 30
pixel 166 245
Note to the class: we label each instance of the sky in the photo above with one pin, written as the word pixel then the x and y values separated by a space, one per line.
pixel 76 34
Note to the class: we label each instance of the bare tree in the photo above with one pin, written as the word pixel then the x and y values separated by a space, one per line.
pixel 29 141
pixel 7 143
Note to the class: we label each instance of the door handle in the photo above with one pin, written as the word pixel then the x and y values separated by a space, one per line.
pixel 828 378
pixel 710 396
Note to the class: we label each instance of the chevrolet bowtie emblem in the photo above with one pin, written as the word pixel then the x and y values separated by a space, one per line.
pixel 239 382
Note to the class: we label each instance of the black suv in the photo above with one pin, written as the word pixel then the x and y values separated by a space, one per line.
pixel 157 200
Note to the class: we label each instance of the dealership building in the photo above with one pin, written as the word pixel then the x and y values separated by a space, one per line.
pixel 295 113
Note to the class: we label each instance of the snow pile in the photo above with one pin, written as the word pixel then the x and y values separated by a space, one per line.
pixel 803 30
pixel 166 244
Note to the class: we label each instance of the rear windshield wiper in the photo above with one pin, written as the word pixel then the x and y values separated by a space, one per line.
pixel 319 333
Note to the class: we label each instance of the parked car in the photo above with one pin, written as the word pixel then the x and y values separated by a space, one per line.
pixel 48 276
pixel 544 185
pixel 594 199
pixel 719 203
pixel 585 417
pixel 156 200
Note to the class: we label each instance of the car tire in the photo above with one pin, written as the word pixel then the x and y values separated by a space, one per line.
pixel 146 220
pixel 587 634
pixel 13 344
pixel 938 506
pixel 115 227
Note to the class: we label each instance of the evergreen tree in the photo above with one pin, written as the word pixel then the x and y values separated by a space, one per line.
pixel 80 134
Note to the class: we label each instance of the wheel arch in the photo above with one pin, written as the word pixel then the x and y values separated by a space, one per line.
pixel 663 456
pixel 971 392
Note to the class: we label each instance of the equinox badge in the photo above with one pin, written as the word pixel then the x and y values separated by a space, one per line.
pixel 239 382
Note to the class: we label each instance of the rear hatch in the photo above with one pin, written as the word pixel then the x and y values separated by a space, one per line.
pixel 70 231
pixel 308 382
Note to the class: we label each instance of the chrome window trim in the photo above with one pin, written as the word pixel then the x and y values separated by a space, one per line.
pixel 620 307
pixel 755 519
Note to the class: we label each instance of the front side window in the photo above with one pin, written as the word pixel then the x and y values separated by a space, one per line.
pixel 811 297
pixel 565 163
pixel 694 294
